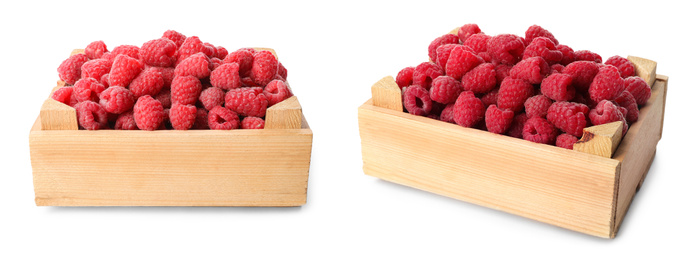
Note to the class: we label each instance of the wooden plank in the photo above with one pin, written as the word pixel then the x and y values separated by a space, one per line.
pixel 601 140
pixel 57 116
pixel 284 115
pixel 645 69
pixel 387 94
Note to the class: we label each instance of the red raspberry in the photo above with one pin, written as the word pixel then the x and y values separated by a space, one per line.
pixel 445 90
pixel 506 48
pixel 91 116
pixel 535 31
pixel 481 79
pixel 532 70
pixel 64 95
pixel 545 48
pixel 443 52
pixel 226 76
pixel 566 141
pixel 175 36
pixel 538 130
pixel 149 82
pixel 607 84
pixel 567 54
pixel 215 63
pixel 164 97
pixel 149 113
pixel 185 90
pixel 404 77
pixel 117 100
pixel 417 100
pixel 190 46
pixel 196 65
pixel 95 68
pixel 104 80
pixel 70 69
pixel 502 71
pixel 498 120
pixel 209 50
pixel 131 51
pixel 468 110
pixel 126 121
pixel 246 101
pixel 212 97
pixel 626 69
pixel 182 117
pixel 556 68
pixel 468 30
pixel 281 71
pixel 276 91
pixel 95 50
pixel 168 74
pixel 588 56
pixel 124 70
pixel 87 89
pixel 461 61
pixel 537 106
pixel 448 113
pixel 490 98
pixel 513 93
pixel 425 73
pixel 626 100
pixel 248 82
pixel 160 52
pixel 244 58
pixel 582 73
pixel 201 119
pixel 221 118
pixel 516 128
pixel 569 117
pixel 264 67
pixel 477 42
pixel 605 112
pixel 221 52
pixel 251 122
pixel 638 88
pixel 443 39
pixel 558 87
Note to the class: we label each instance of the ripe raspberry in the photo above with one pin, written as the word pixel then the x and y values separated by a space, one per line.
pixel 568 55
pixel 95 50
pixel 70 69
pixel 246 101
pixel 516 128
pixel 148 112
pixel 481 79
pixel 532 70
pixel 605 112
pixel 545 48
pixel 190 46
pixel 566 141
pixel 443 52
pixel 215 63
pixel 506 48
pixel 201 119
pixel 164 97
pixel 638 88
pixel 537 106
pixel 513 93
pixel 445 89
pixel 221 118
pixel 182 117
pixel 626 69
pixel 124 70
pixel 196 65
pixel 417 100
pixel 448 113
pixel 149 82
pixel 117 100
pixel 538 130
pixel 251 122
pixel 502 71
pixel 244 58
pixel 221 52
pixel 569 117
pixel 64 95
pixel 558 87
pixel 276 91
pixel 490 98
pixel 281 71
pixel 87 89
pixel 212 97
pixel 425 73
pixel 131 51
pixel 461 61
pixel 91 116
pixel 468 110
pixel 185 90
pixel 168 74
pixel 248 82
pixel 226 76
pixel 177 37
pixel 626 100
pixel 95 68
pixel 441 40
pixel 467 30
pixel 478 43
pixel 160 52
pixel 588 56
pixel 535 31
pixel 607 84
pixel 209 50
pixel 582 73
pixel 404 77
pixel 104 80
pixel 556 68
pixel 264 67
pixel 498 120
pixel 126 121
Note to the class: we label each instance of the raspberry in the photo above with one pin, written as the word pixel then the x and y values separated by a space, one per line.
pixel 124 70
pixel 567 54
pixel 506 48
pixel 448 113
pixel 160 52
pixel 104 80
pixel 461 61
pixel 513 93
pixel 417 100
pixel 626 100
pixel 196 65
pixel 248 82
pixel 215 63
pixel 177 37
pixel 425 73
pixel 569 117
pixel 95 68
pixel 166 123
pixel 490 98
pixel 532 70
pixel 91 116
pixel 404 77
pixel 185 90
pixel 251 122
pixel 566 141
pixel 441 40
pixel 226 76
pixel 582 73
pixel 221 118
pixel 516 128
pixel 558 87
pixel 131 51
pixel 276 91
pixel 164 97
pixel 87 89
pixel 168 74
pixel 538 130
pixel 481 79
pixel 117 100
pixel 209 50
pixel 605 112
pixel 149 82
pixel 64 95
pixel 212 97
pixel 638 88
pixel 221 52
pixel 442 54
pixel 445 89
pixel 126 121
pixel 246 101
pixel 95 50
pixel 502 71
pixel 536 31
pixel 587 56
pixel 607 84
pixel 190 46
pixel 545 48
pixel 556 68
pixel 281 70
pixel 264 67
pixel 149 113
pixel 201 119
pixel 245 60
pixel 498 120
pixel 477 42
pixel 70 69
pixel 626 69
pixel 468 30
pixel 182 117
pixel 537 106
pixel 468 110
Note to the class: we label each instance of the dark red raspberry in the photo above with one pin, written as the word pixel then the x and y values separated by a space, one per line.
pixel 556 68
pixel 587 56
pixel 95 50
pixel 481 79
pixel 537 106
pixel 626 69
pixel 248 82
pixel 251 122
pixel 498 120
pixel 191 45
pixel 417 100
pixel 448 113
pixel 246 101
pixel 538 130
pixel 516 128
pixel 149 113
pixel 468 110
pixel 160 52
pixel 445 90
pixel 196 65
pixel 532 70
pixel 149 82
pixel 626 100
pixel 87 89
pixel 64 95
pixel 444 39
pixel 185 90
pixel 276 91
pixel 461 61
pixel 95 68
pixel 226 76
pixel 221 52
pixel 117 100
pixel 443 52
pixel 404 77
pixel 201 119
pixel 425 73
pixel 281 71
pixel 502 71
pixel 264 67
pixel 490 98
pixel 566 141
pixel 545 48
pixel 478 43
pixel 91 116
pixel 582 73
pixel 131 51
pixel 70 69
pixel 485 56
pixel 244 57
pixel 182 117
pixel 605 112
pixel 212 97
pixel 567 54
pixel 638 88
pixel 513 93
pixel 468 30
pixel 535 31
pixel 175 36
pixel 506 48
pixel 558 87
pixel 124 70
pixel 126 121
pixel 164 97
pixel 221 118
pixel 568 116
pixel 209 50
pixel 607 84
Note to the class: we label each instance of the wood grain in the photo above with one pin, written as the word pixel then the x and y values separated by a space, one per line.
pixel 645 68
pixel 601 140
pixel 386 94
pixel 284 115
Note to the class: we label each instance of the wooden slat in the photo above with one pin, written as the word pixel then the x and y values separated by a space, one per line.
pixel 386 94
pixel 284 115
pixel 645 69
pixel 601 140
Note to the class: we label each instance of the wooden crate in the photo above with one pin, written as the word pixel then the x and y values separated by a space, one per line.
pixel 577 190
pixel 266 167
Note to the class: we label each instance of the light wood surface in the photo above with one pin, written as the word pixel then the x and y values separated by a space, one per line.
pixel 386 94
pixel 601 140
pixel 645 69
pixel 284 115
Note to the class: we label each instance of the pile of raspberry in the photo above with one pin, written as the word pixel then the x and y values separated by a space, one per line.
pixel 528 87
pixel 172 82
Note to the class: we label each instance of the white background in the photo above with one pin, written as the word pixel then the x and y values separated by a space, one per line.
pixel 334 52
